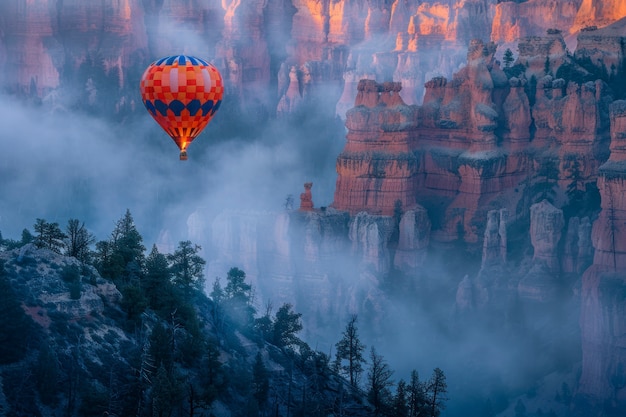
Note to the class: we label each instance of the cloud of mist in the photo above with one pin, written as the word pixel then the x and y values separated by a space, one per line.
pixel 69 164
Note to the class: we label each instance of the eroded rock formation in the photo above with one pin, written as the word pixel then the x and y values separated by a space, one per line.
pixel 72 42
pixel 377 168
pixel 603 309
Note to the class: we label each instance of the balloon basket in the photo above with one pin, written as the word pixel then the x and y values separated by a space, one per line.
pixel 183 155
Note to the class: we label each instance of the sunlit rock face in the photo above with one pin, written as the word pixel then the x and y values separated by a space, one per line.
pixel 513 20
pixel 603 308
pixel 535 50
pixel 46 45
pixel 377 167
pixel 244 48
pixel 574 117
pixel 27 65
pixel 476 141
pixel 46 41
pixel 599 13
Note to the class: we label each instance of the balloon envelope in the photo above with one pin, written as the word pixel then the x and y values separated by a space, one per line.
pixel 182 93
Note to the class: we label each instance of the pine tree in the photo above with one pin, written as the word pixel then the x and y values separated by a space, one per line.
pixel 187 267
pixel 400 407
pixel 127 248
pixel 286 324
pixel 378 383
pixel 350 349
pixel 507 58
pixel 161 347
pixel 213 377
pixel 156 282
pixel 264 324
pixel 27 237
pixel 133 302
pixel 49 236
pixel 260 380
pixel 238 299
pixel 436 391
pixel 217 311
pixel 417 400
pixel 236 287
pixel 163 394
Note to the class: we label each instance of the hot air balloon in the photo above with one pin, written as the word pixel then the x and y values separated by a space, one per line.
pixel 182 93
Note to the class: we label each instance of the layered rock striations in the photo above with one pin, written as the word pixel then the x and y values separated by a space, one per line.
pixel 377 168
pixel 605 47
pixel 47 45
pixel 514 19
pixel 406 154
pixel 487 137
pixel 599 13
pixel 603 327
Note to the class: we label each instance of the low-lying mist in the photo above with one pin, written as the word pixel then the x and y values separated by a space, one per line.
pixel 69 164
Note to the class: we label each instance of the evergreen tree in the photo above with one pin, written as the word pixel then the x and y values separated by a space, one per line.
pixel 187 267
pixel 350 349
pixel 16 328
pixel 213 376
pixel 436 391
pixel 417 400
pixel 264 324
pixel 236 287
pixel 286 324
pixel 8 244
pixel 164 394
pixel 49 236
pixel 127 250
pixel 156 282
pixel 133 302
pixel 400 407
pixel 161 347
pixel 217 311
pixel 27 237
pixel 378 383
pixel 261 381
pixel 507 58
pixel 104 260
pixel 238 299
pixel 78 240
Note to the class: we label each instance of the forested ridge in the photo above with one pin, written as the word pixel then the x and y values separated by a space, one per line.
pixel 93 328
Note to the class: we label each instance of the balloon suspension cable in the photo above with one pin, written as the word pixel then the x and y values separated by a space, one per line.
pixel 183 155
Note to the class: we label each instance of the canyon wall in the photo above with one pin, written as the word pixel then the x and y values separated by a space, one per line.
pixel 604 283
pixel 477 141
pixel 51 49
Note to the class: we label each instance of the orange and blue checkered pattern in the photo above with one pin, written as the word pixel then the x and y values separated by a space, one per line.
pixel 182 93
